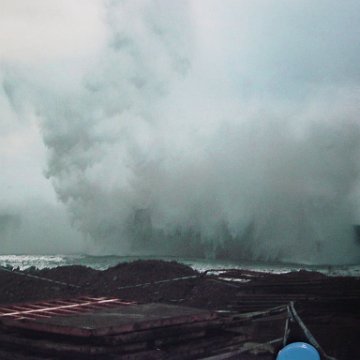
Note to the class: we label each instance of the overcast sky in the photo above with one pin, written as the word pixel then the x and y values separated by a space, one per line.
pixel 177 74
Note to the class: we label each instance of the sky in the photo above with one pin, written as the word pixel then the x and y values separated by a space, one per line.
pixel 202 112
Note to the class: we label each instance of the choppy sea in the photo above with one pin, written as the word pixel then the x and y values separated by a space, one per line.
pixel 103 262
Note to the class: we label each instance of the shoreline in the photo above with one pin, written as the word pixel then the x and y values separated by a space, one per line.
pixel 23 262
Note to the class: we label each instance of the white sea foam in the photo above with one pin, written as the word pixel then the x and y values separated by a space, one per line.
pixel 23 262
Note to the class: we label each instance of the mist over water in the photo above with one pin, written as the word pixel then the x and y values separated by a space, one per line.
pixel 206 129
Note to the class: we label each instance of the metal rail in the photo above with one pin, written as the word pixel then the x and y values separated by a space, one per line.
pixel 307 332
pixel 58 308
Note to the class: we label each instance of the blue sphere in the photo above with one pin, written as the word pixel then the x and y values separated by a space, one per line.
pixel 298 351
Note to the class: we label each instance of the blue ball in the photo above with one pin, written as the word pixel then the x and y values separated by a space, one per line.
pixel 298 351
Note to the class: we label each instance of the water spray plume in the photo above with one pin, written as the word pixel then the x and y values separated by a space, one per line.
pixel 173 144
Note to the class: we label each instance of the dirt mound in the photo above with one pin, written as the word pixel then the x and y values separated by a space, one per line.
pixel 139 272
pixel 75 274
pixel 68 281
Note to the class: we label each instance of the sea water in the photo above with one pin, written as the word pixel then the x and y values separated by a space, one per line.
pixel 23 262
